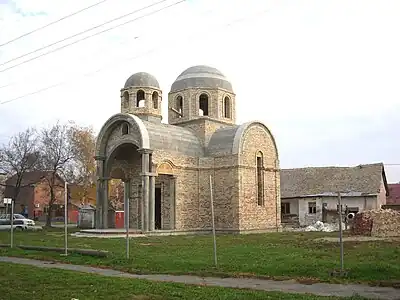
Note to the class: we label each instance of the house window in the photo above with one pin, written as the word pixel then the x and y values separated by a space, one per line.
pixel 260 179
pixel 285 208
pixel 312 207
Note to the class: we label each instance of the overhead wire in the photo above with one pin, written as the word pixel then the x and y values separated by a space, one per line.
pixel 87 37
pixel 99 50
pixel 112 65
pixel 52 23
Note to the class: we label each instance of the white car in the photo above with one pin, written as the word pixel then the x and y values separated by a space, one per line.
pixel 19 222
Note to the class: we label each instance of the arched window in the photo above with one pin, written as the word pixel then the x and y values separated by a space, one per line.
pixel 260 179
pixel 227 108
pixel 126 99
pixel 125 128
pixel 140 98
pixel 179 105
pixel 203 105
pixel 155 100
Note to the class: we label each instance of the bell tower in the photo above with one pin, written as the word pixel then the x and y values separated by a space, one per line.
pixel 142 96
pixel 201 92
pixel 201 98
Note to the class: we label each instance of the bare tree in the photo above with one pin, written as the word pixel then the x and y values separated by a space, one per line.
pixel 17 158
pixel 57 154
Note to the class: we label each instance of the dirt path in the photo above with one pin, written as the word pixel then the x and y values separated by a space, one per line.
pixel 321 289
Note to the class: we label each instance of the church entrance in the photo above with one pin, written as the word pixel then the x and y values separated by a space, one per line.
pixel 158 208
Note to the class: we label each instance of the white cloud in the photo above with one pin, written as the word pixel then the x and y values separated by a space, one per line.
pixel 319 73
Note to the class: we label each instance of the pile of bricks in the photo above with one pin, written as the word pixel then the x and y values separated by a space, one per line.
pixel 361 225
pixel 380 222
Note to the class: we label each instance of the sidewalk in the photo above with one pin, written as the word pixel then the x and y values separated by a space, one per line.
pixel 321 289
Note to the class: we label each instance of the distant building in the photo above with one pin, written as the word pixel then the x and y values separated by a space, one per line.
pixel 2 188
pixel 310 194
pixel 34 196
pixel 394 194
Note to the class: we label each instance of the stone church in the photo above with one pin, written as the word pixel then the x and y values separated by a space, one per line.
pixel 167 167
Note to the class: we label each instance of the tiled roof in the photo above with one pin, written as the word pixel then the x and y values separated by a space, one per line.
pixel 358 180
pixel 394 194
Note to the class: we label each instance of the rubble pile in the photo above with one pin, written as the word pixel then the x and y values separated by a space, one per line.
pixel 379 222
pixel 324 227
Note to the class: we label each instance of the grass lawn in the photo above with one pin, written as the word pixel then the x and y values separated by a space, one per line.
pixel 273 255
pixel 26 282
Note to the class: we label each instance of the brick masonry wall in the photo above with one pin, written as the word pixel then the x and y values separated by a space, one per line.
pixel 191 105
pixel 148 108
pixel 234 178
pixel 381 199
pixel 204 128
pixel 252 215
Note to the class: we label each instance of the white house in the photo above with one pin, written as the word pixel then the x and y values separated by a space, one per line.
pixel 310 194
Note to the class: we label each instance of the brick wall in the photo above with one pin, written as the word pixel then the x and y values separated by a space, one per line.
pixel 252 215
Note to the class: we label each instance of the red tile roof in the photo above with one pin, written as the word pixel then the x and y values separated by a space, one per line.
pixel 394 194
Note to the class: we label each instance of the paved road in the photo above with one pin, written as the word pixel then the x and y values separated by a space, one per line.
pixel 322 289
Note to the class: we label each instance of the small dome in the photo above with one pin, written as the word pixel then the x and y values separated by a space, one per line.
pixel 201 77
pixel 142 79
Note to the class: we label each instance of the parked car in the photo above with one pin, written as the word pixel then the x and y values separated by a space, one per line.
pixel 19 222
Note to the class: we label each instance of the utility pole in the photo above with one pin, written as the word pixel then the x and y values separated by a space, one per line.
pixel 8 201
pixel 341 233
pixel 66 217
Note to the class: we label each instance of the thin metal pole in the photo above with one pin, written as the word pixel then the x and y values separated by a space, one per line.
pixel 213 222
pixel 66 217
pixel 127 229
pixel 340 233
pixel 12 223
pixel 126 215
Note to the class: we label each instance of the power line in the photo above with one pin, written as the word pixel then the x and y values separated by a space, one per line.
pixel 52 23
pixel 91 54
pixel 6 85
pixel 87 37
pixel 195 35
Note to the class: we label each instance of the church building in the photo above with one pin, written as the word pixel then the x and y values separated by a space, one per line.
pixel 167 168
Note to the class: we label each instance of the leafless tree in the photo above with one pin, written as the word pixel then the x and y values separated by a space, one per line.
pixel 56 157
pixel 18 157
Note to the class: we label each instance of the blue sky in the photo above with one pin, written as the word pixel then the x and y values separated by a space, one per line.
pixel 323 75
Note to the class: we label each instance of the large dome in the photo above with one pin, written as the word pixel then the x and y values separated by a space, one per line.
pixel 201 77
pixel 142 79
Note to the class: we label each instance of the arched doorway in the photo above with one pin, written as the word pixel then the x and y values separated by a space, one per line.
pixel 124 165
pixel 165 195
pixel 123 152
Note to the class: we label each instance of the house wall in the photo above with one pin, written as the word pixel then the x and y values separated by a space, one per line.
pixel 41 198
pixel 292 217
pixel 306 218
pixel 2 187
pixel 25 198
pixel 381 199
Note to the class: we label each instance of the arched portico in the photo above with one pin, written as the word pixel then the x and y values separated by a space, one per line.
pixel 123 152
